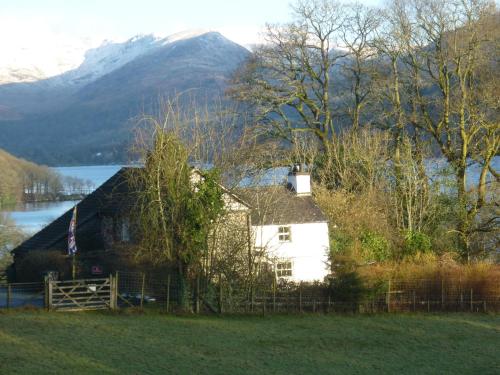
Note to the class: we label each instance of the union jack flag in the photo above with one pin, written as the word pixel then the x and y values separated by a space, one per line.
pixel 71 234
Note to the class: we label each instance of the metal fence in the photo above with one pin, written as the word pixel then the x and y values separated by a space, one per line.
pixel 163 290
pixel 220 296
pixel 22 294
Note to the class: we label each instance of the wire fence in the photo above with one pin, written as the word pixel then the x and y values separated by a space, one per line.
pixel 22 295
pixel 222 296
pixel 167 291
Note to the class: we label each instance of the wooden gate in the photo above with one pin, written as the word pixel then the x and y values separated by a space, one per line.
pixel 75 295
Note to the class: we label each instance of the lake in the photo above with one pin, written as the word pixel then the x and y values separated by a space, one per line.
pixel 31 217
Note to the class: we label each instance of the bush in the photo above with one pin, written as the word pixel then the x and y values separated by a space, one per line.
pixel 345 284
pixel 32 267
pixel 415 242
pixel 374 246
pixel 340 243
pixel 347 288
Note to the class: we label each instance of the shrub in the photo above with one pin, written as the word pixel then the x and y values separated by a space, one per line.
pixel 374 246
pixel 345 285
pixel 415 242
pixel 339 243
pixel 33 266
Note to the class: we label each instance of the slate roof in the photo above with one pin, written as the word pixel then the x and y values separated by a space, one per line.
pixel 277 205
pixel 111 197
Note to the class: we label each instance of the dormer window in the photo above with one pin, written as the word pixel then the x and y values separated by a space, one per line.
pixel 284 234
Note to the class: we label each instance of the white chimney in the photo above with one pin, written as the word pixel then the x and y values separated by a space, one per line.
pixel 299 182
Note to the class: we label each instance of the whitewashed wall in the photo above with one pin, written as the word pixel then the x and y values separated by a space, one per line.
pixel 308 249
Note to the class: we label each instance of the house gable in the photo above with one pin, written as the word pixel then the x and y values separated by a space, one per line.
pixel 111 198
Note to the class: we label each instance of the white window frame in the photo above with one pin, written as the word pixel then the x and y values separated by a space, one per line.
pixel 284 268
pixel 285 233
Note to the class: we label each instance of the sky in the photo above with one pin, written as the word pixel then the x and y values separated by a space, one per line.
pixel 122 19
pixel 45 28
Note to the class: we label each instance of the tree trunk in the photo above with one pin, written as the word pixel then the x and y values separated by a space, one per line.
pixel 463 224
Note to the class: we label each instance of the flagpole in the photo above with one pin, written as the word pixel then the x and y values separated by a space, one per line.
pixel 72 243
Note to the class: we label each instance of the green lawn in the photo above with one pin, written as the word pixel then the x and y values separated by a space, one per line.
pixel 34 342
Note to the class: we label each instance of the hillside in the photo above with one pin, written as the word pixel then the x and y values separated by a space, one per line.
pixel 18 177
pixel 86 115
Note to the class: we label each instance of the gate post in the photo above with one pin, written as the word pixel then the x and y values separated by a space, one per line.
pixel 49 294
pixel 113 292
pixel 168 293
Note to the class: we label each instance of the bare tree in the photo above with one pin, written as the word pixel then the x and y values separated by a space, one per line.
pixel 357 35
pixel 446 49
pixel 288 80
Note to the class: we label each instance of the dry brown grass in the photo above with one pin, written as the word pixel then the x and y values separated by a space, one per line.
pixel 431 271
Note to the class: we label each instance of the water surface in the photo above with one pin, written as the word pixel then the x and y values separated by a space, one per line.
pixel 31 217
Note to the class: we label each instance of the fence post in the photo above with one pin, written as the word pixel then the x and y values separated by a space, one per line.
pixel 197 306
pixel 49 297
pixel 142 289
pixel 329 302
pixel 168 293
pixel 300 297
pixel 111 291
pixel 471 299
pixel 264 303
pixel 274 294
pixel 46 293
pixel 251 297
pixel 388 297
pixel 220 294
pixel 114 291
pixel 9 295
pixel 442 294
pixel 414 301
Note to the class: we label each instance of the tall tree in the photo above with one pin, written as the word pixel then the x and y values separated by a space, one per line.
pixel 357 37
pixel 449 52
pixel 289 79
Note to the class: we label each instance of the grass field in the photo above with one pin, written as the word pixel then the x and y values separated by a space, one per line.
pixel 36 342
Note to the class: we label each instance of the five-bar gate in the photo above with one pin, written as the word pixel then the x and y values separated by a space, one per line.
pixel 74 295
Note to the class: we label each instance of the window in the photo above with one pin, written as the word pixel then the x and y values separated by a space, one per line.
pixel 107 231
pixel 284 234
pixel 125 234
pixel 284 268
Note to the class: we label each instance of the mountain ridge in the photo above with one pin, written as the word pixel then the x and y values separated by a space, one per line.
pixel 91 122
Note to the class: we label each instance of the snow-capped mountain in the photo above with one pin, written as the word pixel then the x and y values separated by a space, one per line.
pixel 79 64
pixel 21 63
pixel 84 113
pixel 108 57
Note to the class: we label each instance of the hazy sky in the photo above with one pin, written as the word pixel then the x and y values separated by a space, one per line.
pixel 239 20
pixel 51 36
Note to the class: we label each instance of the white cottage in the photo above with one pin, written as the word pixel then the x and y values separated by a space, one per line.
pixel 290 228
